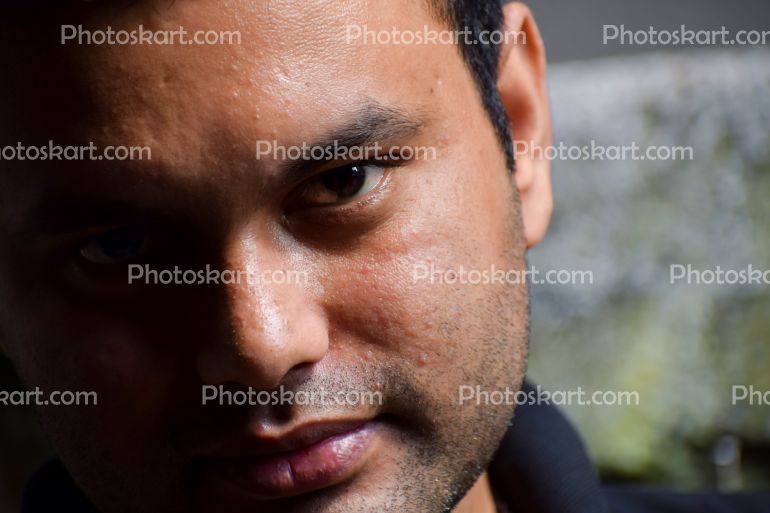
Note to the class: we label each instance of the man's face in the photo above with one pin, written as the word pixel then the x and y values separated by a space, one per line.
pixel 358 321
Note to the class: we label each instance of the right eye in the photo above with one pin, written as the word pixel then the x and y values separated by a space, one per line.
pixel 116 246
pixel 345 184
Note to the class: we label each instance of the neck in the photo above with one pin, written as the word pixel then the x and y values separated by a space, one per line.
pixel 479 499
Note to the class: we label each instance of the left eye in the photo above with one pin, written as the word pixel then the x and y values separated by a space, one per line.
pixel 115 246
pixel 341 185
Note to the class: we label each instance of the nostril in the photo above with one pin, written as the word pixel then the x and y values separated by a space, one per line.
pixel 298 374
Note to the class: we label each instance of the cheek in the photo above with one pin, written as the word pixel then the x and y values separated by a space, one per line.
pixel 108 352
pixel 106 359
pixel 60 341
pixel 92 353
pixel 385 299
pixel 61 345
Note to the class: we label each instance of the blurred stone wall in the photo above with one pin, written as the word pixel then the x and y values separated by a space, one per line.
pixel 682 347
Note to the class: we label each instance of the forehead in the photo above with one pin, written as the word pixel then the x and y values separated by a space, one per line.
pixel 292 70
pixel 284 58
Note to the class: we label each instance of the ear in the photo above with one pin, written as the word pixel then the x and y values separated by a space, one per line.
pixel 522 85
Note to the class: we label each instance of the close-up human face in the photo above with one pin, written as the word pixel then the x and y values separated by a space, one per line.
pixel 358 232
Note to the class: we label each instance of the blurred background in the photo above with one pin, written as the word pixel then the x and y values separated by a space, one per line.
pixel 681 347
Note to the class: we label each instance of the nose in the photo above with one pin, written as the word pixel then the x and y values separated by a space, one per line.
pixel 271 323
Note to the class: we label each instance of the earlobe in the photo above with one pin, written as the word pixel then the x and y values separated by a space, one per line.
pixel 522 86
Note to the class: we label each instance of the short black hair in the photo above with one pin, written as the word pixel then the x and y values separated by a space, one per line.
pixel 478 17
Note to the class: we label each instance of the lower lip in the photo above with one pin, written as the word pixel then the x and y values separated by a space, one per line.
pixel 320 465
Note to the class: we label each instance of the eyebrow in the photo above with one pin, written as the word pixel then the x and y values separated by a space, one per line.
pixel 371 123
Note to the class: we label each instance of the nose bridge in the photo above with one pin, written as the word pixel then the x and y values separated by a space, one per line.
pixel 274 325
pixel 259 306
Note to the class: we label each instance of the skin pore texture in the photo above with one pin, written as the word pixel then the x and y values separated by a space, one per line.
pixel 359 322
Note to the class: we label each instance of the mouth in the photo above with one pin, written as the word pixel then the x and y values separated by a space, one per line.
pixel 307 459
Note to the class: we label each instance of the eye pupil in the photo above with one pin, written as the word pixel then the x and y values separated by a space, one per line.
pixel 345 182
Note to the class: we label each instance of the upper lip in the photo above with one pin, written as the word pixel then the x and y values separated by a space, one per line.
pixel 260 445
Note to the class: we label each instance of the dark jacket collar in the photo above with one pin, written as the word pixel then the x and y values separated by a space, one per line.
pixel 51 489
pixel 542 465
